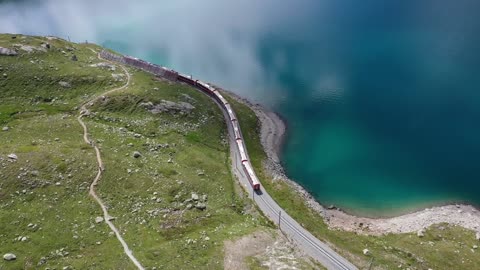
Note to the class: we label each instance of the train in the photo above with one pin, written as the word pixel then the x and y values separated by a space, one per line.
pixel 211 91
pixel 207 89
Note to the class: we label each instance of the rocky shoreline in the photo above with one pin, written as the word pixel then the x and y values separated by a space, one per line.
pixel 273 130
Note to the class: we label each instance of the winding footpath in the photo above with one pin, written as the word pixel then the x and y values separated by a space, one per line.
pixel 108 219
pixel 305 241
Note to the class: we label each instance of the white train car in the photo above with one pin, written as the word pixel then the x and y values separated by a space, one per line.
pixel 231 114
pixel 243 155
pixel 251 175
pixel 222 99
pixel 236 130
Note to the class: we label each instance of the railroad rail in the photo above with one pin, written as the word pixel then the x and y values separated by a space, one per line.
pixel 243 169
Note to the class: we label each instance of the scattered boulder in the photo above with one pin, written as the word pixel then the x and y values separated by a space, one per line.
pixel 475 247
pixel 168 106
pixel 42 261
pixel 9 257
pixel 421 233
pixel 201 206
pixel 5 75
pixel 105 65
pixel 7 52
pixel 195 196
pixel 98 219
pixel 5 129
pixel 477 236
pixel 46 45
pixel 65 84
pixel 12 156
pixel 118 77
pixel 136 154
pixel 366 252
pixel 74 58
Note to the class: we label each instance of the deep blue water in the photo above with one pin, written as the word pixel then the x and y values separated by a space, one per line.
pixel 381 98
pixel 384 106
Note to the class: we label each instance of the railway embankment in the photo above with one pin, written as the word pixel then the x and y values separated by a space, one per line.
pixel 357 245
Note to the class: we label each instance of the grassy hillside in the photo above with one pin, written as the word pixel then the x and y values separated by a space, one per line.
pixel 47 218
pixel 442 247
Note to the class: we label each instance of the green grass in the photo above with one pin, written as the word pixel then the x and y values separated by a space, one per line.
pixel 47 139
pixel 443 247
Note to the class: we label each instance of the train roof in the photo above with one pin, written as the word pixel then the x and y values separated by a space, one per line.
pixel 250 171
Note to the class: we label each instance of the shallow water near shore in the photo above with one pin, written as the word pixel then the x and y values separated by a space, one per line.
pixel 382 99
pixel 382 106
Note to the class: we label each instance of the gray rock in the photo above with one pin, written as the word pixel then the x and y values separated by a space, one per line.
pixel 201 206
pixel 189 206
pixel 5 129
pixel 366 252
pixel 195 196
pixel 136 154
pixel 421 233
pixel 5 75
pixel 168 106
pixel 65 84
pixel 7 52
pixel 12 156
pixel 9 257
pixel 74 58
pixel 136 135
pixel 98 219
pixel 477 236
pixel 42 261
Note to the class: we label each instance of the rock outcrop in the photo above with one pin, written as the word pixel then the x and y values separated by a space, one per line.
pixel 7 52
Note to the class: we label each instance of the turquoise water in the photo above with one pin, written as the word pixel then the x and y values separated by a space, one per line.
pixel 381 98
pixel 391 118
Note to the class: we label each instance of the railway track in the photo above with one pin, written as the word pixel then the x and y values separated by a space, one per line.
pixel 311 245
